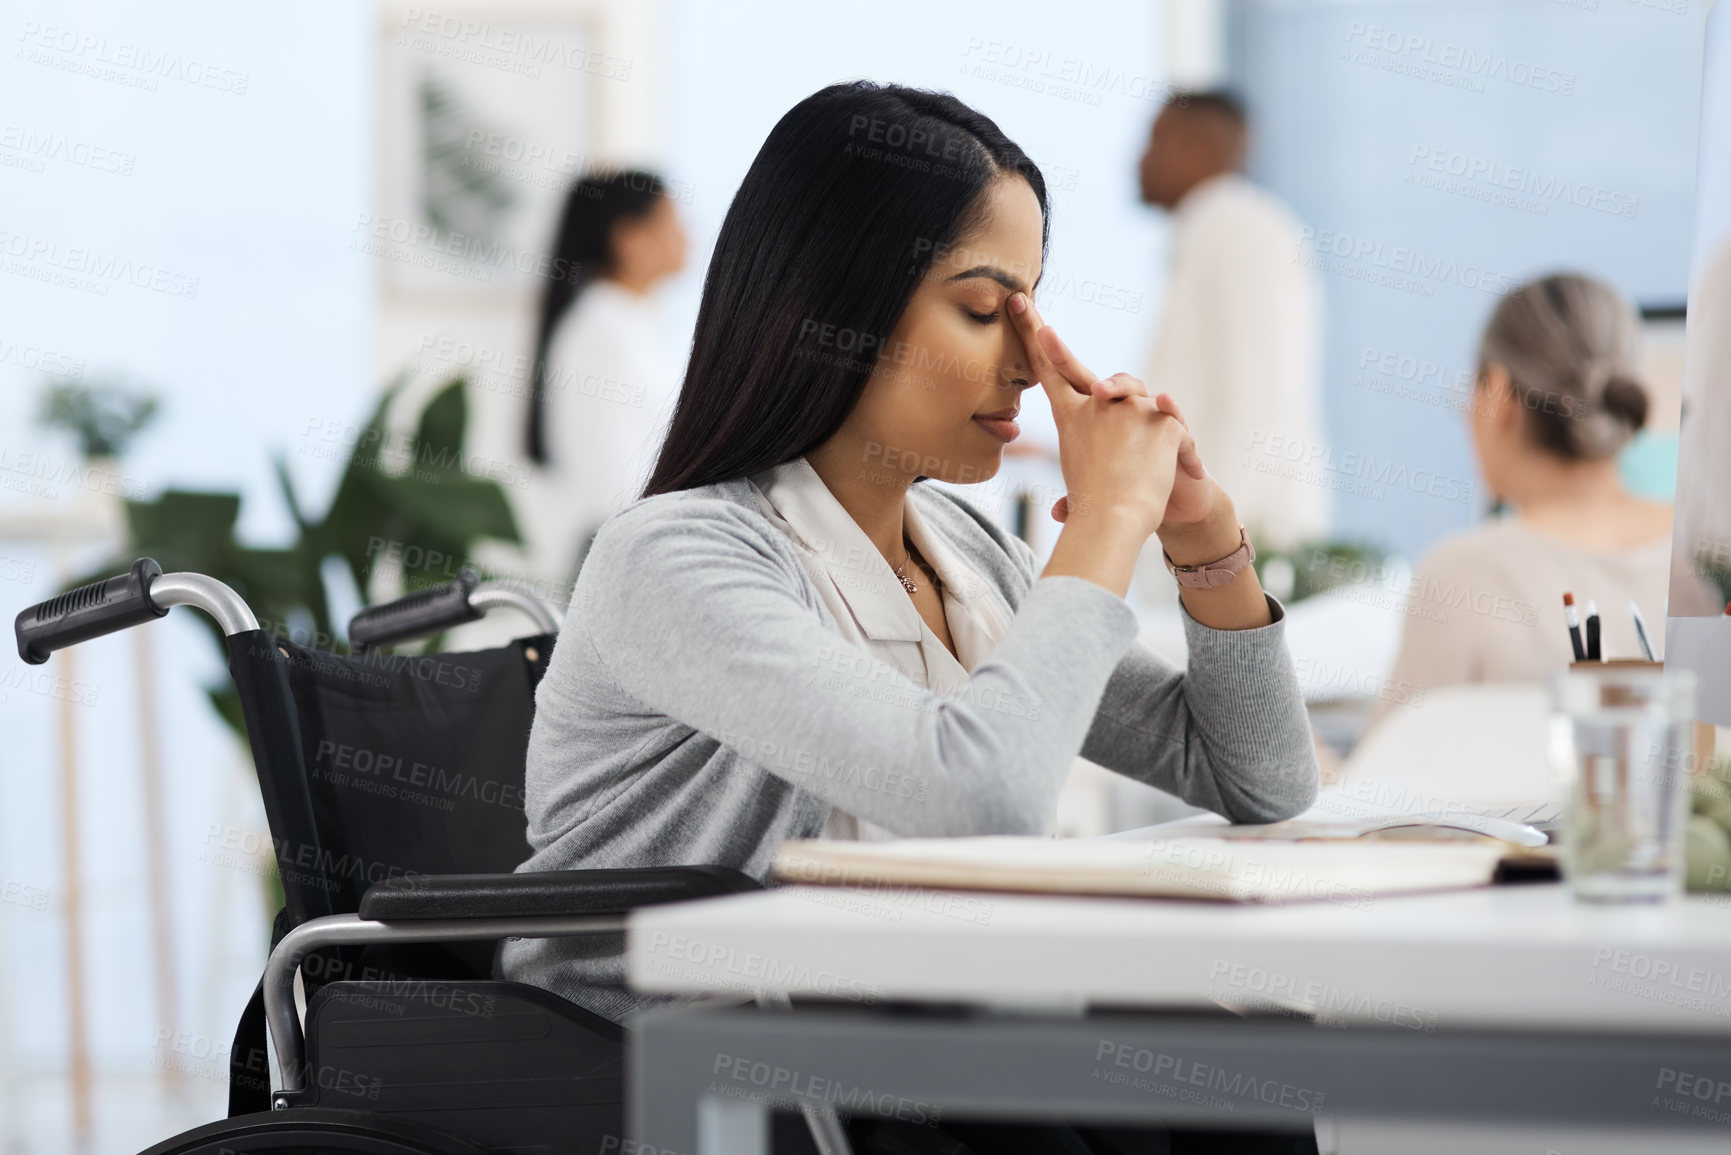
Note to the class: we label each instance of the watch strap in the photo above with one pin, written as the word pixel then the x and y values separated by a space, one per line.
pixel 1216 573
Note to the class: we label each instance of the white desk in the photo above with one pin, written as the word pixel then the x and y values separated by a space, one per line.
pixel 1514 1004
pixel 1499 956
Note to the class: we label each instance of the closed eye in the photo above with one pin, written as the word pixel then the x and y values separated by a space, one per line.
pixel 982 318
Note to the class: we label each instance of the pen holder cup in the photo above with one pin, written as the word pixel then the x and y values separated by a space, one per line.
pixel 1624 738
pixel 1704 731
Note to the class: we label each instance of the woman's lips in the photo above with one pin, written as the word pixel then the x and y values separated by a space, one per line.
pixel 1004 429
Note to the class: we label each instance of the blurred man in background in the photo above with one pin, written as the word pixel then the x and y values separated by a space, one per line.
pixel 1239 339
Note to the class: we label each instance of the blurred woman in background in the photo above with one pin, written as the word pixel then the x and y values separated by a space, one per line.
pixel 603 381
pixel 1556 397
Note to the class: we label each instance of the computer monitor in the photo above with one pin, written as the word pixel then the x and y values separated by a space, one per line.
pixel 1698 630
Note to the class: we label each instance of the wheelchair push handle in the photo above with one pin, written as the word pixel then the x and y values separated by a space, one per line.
pixel 103 607
pixel 431 611
pixel 141 594
pixel 416 615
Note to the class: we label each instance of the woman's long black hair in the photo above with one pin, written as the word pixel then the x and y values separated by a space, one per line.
pixel 838 220
pixel 585 248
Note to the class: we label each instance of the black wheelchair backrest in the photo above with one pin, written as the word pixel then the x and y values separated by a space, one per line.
pixel 382 766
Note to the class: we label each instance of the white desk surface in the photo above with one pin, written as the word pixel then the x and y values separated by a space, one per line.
pixel 1524 955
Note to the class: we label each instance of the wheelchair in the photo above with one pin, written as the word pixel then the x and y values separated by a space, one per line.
pixel 393 786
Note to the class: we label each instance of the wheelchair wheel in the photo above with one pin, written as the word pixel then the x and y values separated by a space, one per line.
pixel 314 1131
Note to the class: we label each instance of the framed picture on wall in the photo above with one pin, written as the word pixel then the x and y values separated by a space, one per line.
pixel 488 118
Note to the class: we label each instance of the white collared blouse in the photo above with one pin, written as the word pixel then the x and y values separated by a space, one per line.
pixel 868 601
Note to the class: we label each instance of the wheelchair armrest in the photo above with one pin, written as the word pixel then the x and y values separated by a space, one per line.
pixel 539 893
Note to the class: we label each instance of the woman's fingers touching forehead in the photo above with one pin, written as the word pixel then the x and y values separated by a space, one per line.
pixel 1028 326
pixel 1051 359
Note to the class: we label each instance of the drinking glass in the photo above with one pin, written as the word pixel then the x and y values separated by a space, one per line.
pixel 1625 742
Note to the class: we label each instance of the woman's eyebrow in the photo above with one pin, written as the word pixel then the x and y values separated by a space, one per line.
pixel 992 272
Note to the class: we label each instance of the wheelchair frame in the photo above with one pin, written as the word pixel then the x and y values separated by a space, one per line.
pixel 390 912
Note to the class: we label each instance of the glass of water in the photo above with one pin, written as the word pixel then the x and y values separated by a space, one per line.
pixel 1625 740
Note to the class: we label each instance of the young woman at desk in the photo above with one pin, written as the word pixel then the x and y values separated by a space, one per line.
pixel 791 635
pixel 1556 397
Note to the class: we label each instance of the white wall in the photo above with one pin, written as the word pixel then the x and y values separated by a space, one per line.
pixel 216 144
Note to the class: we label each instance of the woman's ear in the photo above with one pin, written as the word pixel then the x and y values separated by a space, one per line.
pixel 1496 397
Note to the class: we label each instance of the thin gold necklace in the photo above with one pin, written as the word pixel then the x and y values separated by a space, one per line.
pixel 908 582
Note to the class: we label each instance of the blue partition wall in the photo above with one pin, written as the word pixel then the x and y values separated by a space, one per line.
pixel 1439 153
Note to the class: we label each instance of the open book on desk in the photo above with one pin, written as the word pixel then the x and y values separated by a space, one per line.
pixel 1198 865
pixel 1525 852
pixel 1476 756
pixel 1330 819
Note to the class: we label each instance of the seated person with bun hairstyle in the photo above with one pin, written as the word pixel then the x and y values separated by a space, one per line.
pixel 1557 396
